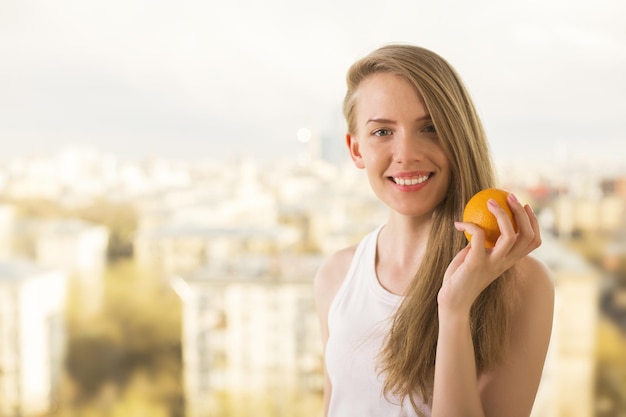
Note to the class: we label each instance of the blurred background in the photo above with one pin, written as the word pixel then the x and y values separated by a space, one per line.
pixel 172 174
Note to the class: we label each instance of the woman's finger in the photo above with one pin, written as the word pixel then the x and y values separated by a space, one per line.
pixel 507 233
pixel 477 244
pixel 534 224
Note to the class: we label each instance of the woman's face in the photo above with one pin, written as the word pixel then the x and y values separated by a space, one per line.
pixel 396 143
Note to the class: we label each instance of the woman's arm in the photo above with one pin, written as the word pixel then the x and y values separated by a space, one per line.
pixel 457 389
pixel 510 389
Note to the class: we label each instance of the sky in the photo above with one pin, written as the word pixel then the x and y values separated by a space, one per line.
pixel 215 79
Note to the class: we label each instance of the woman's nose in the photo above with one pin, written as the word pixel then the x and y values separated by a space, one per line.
pixel 406 148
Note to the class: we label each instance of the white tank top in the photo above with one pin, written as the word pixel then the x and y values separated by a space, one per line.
pixel 358 320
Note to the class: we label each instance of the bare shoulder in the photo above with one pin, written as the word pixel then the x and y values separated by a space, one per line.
pixel 329 277
pixel 533 310
pixel 534 280
pixel 331 274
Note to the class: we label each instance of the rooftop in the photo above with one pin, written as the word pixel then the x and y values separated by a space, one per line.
pixel 13 270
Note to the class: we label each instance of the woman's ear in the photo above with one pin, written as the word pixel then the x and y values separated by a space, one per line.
pixel 355 153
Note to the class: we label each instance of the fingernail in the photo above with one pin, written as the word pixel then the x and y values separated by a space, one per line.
pixel 492 202
pixel 513 198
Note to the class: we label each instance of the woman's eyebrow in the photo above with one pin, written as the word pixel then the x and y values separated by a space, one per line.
pixel 380 120
pixel 384 120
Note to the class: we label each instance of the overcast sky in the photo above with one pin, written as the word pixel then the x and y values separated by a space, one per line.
pixel 191 78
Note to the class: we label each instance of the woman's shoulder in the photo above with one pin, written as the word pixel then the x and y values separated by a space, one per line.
pixel 532 275
pixel 534 292
pixel 333 270
pixel 328 279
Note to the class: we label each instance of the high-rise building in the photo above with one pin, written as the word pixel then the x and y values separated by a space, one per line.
pixel 250 336
pixel 32 337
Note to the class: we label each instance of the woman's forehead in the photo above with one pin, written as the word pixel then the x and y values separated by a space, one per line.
pixel 384 93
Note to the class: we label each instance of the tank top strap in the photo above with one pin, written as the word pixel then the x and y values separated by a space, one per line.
pixel 363 262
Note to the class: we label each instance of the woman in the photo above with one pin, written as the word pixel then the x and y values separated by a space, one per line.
pixel 415 321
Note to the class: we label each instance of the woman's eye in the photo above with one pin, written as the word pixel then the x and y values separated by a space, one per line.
pixel 430 129
pixel 382 132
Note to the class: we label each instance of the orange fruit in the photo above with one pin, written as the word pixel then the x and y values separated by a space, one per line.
pixel 476 212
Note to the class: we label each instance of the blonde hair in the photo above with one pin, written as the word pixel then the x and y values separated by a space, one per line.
pixel 407 359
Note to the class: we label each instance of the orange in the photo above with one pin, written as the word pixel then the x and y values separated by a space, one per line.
pixel 476 212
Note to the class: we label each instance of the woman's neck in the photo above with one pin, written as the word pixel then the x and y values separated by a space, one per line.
pixel 400 248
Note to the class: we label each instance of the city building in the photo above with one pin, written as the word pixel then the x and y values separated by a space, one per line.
pixel 32 337
pixel 75 245
pixel 251 336
pixel 77 174
pixel 574 215
pixel 179 249
pixel 567 386
pixel 7 219
pixel 80 249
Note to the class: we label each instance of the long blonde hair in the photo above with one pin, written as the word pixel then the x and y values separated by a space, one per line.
pixel 407 359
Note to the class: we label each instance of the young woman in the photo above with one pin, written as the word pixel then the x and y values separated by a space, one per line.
pixel 416 321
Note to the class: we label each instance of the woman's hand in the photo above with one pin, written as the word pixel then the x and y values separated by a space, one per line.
pixel 475 267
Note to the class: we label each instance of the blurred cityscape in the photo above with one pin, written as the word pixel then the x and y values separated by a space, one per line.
pixel 172 288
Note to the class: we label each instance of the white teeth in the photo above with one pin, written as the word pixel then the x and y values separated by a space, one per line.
pixel 410 181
